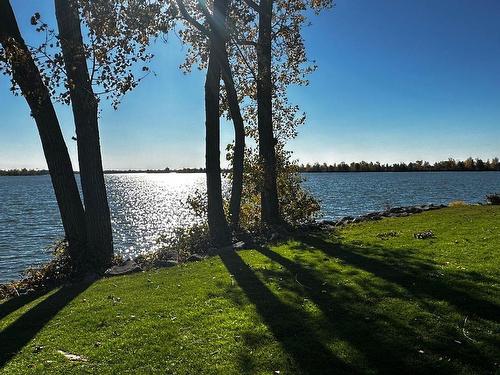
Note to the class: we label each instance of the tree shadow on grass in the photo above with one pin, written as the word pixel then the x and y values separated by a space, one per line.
pixel 412 273
pixel 13 304
pixel 388 345
pixel 25 328
pixel 288 324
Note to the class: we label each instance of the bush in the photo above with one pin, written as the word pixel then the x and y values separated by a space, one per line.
pixel 493 199
pixel 178 246
pixel 457 204
pixel 297 205
pixel 51 274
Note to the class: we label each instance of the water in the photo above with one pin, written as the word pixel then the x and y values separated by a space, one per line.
pixel 143 206
pixel 352 194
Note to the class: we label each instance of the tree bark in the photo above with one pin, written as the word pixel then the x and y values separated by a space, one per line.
pixel 85 113
pixel 239 143
pixel 218 35
pixel 267 151
pixel 217 38
pixel 27 76
pixel 219 229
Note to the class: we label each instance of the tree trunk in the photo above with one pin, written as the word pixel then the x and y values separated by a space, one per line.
pixel 267 142
pixel 239 145
pixel 85 113
pixel 219 229
pixel 27 76
pixel 218 36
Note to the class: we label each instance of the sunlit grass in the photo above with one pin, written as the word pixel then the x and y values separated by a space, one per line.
pixel 351 301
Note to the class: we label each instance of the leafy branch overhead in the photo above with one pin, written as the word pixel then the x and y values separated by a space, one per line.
pixel 290 64
pixel 117 37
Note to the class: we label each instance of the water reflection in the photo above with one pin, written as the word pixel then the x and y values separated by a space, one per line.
pixel 144 206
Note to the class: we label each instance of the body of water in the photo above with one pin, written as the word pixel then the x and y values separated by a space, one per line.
pixel 144 206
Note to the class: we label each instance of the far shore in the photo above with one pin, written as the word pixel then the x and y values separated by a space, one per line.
pixel 45 172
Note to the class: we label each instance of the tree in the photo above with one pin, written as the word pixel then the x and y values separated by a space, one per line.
pixel 267 142
pixel 277 46
pixel 278 119
pixel 217 34
pixel 117 36
pixel 217 222
pixel 26 75
pixel 85 113
pixel 469 164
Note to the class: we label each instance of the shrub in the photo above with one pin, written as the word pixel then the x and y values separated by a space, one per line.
pixel 457 204
pixel 297 205
pixel 178 246
pixel 51 274
pixel 493 198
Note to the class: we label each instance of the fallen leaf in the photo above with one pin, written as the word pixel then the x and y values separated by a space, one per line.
pixel 72 357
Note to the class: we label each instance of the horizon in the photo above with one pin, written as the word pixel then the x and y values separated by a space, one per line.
pixel 300 165
pixel 396 83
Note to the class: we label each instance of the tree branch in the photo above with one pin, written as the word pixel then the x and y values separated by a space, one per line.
pixel 190 19
pixel 244 42
pixel 252 4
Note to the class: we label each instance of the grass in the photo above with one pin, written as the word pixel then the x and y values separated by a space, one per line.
pixel 369 298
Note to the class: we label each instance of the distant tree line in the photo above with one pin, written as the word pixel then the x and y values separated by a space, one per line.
pixel 23 172
pixel 42 172
pixel 469 164
pixel 165 170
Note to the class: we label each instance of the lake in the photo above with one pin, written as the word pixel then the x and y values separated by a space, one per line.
pixel 143 206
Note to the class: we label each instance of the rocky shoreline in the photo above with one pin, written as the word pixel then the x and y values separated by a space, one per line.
pixel 379 215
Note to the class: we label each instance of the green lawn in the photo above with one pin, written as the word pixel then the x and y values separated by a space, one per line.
pixel 358 300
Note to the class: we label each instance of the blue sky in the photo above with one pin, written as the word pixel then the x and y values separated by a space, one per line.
pixel 397 81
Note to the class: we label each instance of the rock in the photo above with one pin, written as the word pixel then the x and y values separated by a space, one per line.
pixel 391 212
pixel 235 246
pixel 328 227
pixel 414 210
pixel 170 254
pixel 424 235
pixel 166 263
pixel 239 245
pixel 127 267
pixel 195 258
pixel 328 222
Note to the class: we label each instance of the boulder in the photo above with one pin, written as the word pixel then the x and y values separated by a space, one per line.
pixel 166 263
pixel 127 267
pixel 424 235
pixel 195 258
pixel 239 245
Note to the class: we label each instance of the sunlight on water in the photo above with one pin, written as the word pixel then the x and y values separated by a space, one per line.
pixel 145 206
pixel 148 205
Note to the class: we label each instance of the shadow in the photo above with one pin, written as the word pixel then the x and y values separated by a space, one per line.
pixel 409 272
pixel 387 345
pixel 19 333
pixel 288 324
pixel 15 303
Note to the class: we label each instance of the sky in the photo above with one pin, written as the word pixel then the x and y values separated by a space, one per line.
pixel 397 81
